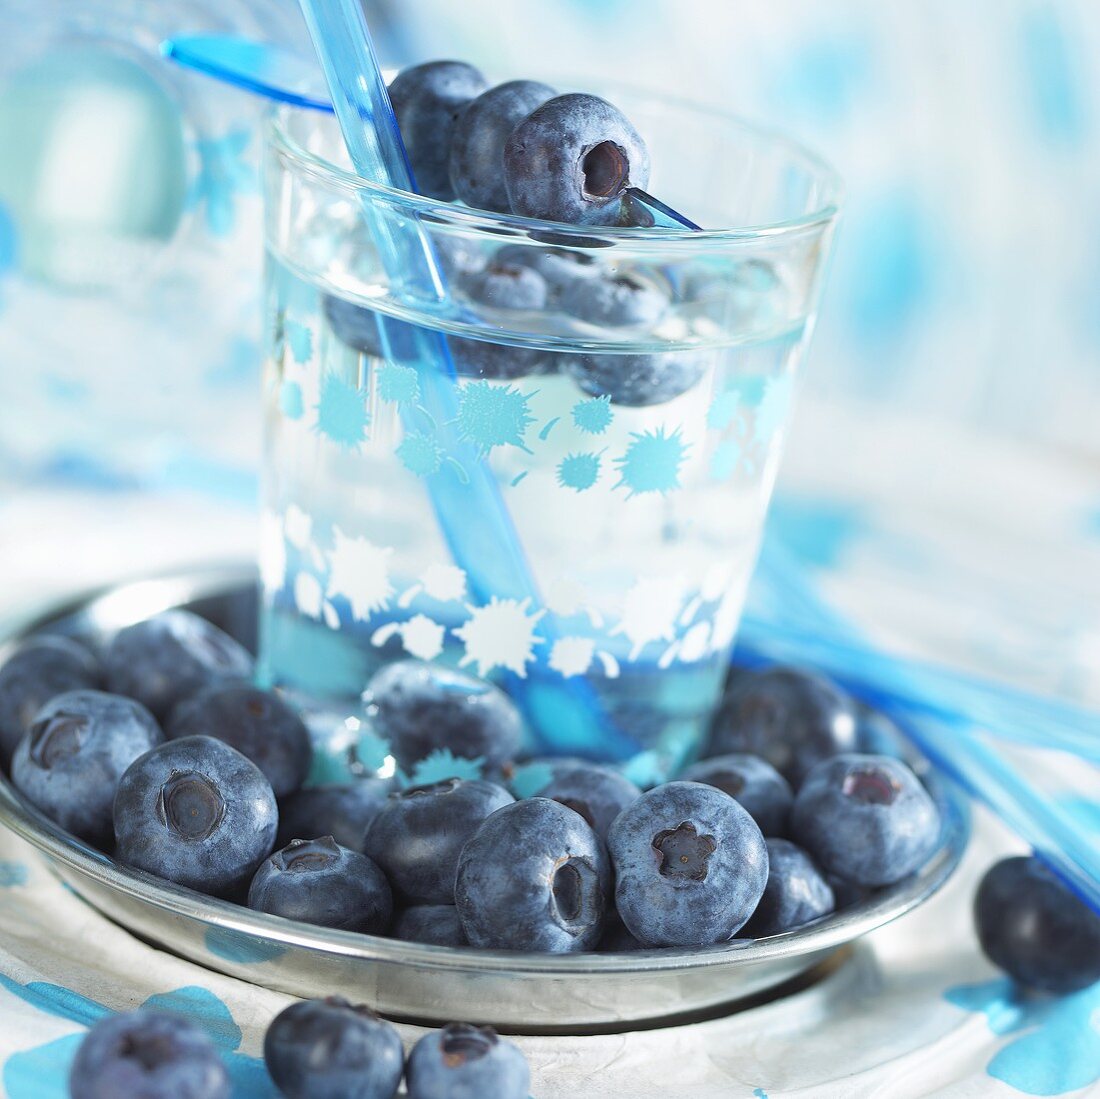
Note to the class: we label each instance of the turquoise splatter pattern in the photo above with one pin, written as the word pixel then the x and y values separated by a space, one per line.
pixel 529 778
pixel 579 471
pixel 223 175
pixel 441 764
pixel 723 410
pixel 420 453
pixel 371 751
pixel 652 462
pixel 491 415
pixel 593 416
pixel 235 946
pixel 1055 1048
pixel 342 412
pixel 1054 85
pixel 724 460
pixel 291 403
pixel 771 412
pixel 9 251
pixel 240 365
pixel 398 384
pixel 300 339
pixel 12 874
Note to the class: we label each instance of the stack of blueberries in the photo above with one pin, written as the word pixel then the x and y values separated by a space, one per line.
pixel 166 755
pixel 519 147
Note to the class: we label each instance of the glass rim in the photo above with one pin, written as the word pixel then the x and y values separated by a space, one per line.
pixel 439 212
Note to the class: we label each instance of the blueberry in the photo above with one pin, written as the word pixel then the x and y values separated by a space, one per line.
pixel 690 865
pixel 477 143
pixel 457 255
pixel 877 735
pixel 507 286
pixel 755 783
pixel 534 877
pixel 196 812
pixel 614 301
pixel 865 818
pixel 419 834
pixel 560 267
pixel 635 380
pixel 147 1055
pixel 1035 928
pixel 343 812
pixel 165 658
pixel 791 718
pixel 482 359
pixel 598 793
pixel 422 708
pixel 36 671
pixel 846 893
pixel 796 892
pixel 436 924
pixel 258 723
pixel 572 159
pixel 71 759
pixel 466 1062
pixel 320 882
pixel 328 1049
pixel 428 100
pixel 353 325
pixel 616 939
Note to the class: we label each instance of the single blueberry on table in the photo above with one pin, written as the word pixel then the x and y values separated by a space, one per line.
pixel 477 142
pixel 421 707
pixel 435 924
pixel 534 877
pixel 466 1062
pixel 560 267
pixel 1036 929
pixel 792 718
pixel 147 1055
pixel 864 818
pixel 483 359
pixel 796 892
pixel 195 812
pixel 572 160
pixel 635 380
pixel 39 669
pixel 320 882
pixel 259 724
pixel 614 301
pixel 690 865
pixel 328 1049
pixel 507 286
pixel 71 760
pixel 428 100
pixel 756 784
pixel 419 834
pixel 167 657
pixel 341 811
pixel 598 793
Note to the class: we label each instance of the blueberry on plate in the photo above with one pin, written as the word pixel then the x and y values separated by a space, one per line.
pixel 572 159
pixel 419 834
pixel 509 286
pixel 195 812
pixel 598 793
pixel 1035 928
pixel 147 1055
pixel 330 1049
pixel 614 301
pixel 560 267
pixel 865 818
pixel 435 924
pixel 36 671
pixel 635 380
pixel 428 100
pixel 72 757
pixel 796 893
pixel 167 657
pixel 756 784
pixel 534 877
pixel 320 882
pixel 341 811
pixel 258 723
pixel 477 142
pixel 466 1062
pixel 498 361
pixel 792 718
pixel 422 708
pixel 690 865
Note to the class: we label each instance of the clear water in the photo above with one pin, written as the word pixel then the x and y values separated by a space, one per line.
pixel 640 527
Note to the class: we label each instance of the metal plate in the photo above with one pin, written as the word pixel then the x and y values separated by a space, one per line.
pixel 519 992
